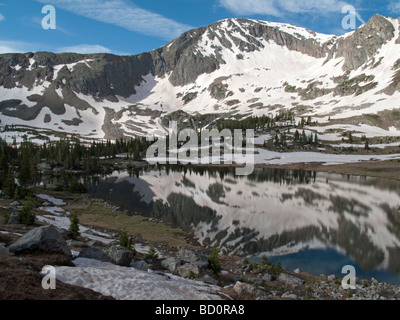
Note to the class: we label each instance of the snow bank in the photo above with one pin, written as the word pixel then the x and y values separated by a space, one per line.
pixel 125 283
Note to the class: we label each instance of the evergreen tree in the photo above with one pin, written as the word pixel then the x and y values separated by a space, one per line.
pixel 27 215
pixel 366 147
pixel 297 136
pixel 213 261
pixel 73 230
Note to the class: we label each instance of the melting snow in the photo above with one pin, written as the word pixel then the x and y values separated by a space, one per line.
pixel 124 283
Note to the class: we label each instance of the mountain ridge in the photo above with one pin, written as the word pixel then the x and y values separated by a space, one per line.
pixel 216 69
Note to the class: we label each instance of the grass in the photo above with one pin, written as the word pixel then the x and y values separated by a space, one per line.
pixel 97 215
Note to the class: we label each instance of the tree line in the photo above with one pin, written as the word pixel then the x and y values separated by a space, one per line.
pixel 21 161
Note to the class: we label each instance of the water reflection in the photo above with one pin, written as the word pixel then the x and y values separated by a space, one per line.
pixel 274 212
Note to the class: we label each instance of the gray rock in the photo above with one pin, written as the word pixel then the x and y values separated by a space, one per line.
pixel 4 252
pixel 15 218
pixel 208 279
pixel 75 243
pixel 248 289
pixel 140 265
pixel 241 288
pixel 15 204
pixel 63 232
pixel 188 269
pixel 95 253
pixel 119 255
pixel 290 280
pixel 267 277
pixel 171 264
pixel 331 277
pixel 189 256
pixel 46 239
pixel 95 243
pixel 255 280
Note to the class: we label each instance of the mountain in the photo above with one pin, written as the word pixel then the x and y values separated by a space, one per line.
pixel 234 68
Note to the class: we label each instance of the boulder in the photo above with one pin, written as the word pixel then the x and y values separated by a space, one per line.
pixel 15 218
pixel 15 204
pixel 245 289
pixel 63 232
pixel 119 255
pixel 290 280
pixel 45 239
pixel 95 253
pixel 170 264
pixel 189 269
pixel 189 256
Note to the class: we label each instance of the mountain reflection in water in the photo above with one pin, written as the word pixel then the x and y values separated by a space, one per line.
pixel 274 212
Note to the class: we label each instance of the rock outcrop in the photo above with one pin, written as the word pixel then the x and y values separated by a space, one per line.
pixel 42 239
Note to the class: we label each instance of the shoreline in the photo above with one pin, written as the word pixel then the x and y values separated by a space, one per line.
pixel 386 169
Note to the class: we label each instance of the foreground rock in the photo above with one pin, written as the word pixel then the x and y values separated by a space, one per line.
pixel 44 239
pixel 186 263
pixel 119 255
pixel 115 254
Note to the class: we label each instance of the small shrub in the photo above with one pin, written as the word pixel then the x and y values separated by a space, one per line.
pixel 213 261
pixel 27 215
pixel 126 242
pixel 73 230
pixel 152 254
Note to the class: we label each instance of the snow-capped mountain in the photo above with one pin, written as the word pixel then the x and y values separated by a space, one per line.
pixel 233 68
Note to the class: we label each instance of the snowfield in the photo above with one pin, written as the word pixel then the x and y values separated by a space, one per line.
pixel 124 283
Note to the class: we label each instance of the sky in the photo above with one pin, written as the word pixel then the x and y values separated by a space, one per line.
pixel 126 27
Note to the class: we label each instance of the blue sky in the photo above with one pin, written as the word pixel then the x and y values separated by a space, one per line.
pixel 133 26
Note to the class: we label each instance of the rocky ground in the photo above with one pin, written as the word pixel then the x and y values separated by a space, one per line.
pixel 186 269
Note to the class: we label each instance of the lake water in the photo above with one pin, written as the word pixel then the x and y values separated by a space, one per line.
pixel 317 222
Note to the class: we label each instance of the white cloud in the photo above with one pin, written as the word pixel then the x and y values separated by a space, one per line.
pixel 90 48
pixel 2 18
pixel 394 6
pixel 85 48
pixel 279 8
pixel 123 14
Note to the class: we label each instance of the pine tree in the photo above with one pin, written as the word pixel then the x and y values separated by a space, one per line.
pixel 296 136
pixel 367 144
pixel 9 185
pixel 73 230
pixel 27 215
pixel 213 261
pixel 316 140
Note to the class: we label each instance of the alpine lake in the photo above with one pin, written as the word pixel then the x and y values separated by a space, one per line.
pixel 315 221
